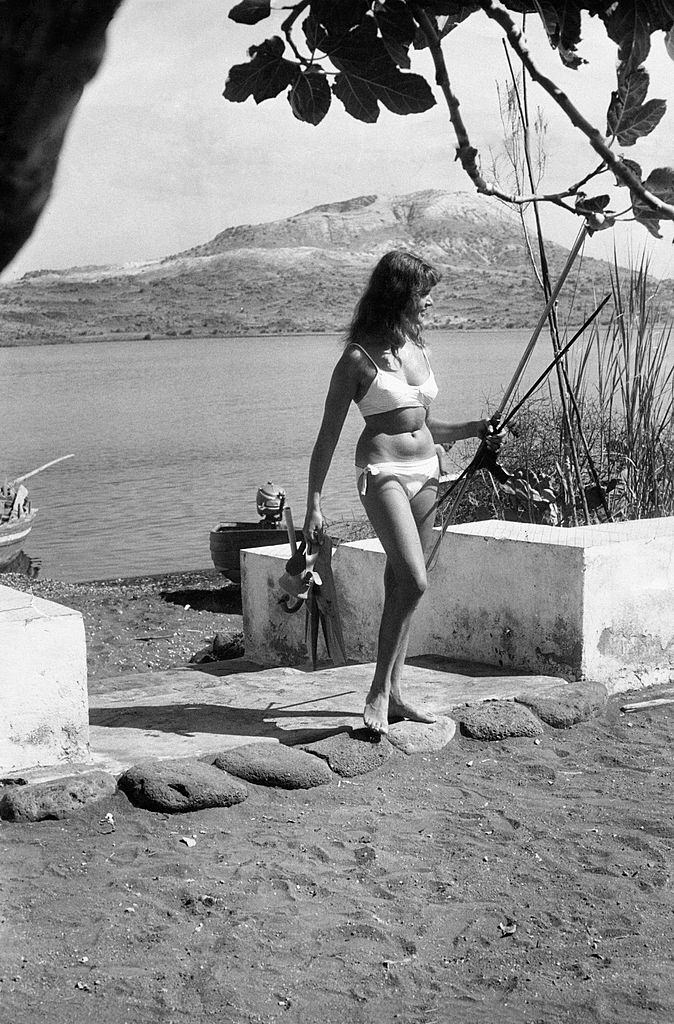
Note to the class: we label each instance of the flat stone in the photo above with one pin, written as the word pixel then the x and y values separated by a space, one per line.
pixel 353 752
pixel 180 785
pixel 57 799
pixel 274 764
pixel 567 707
pixel 422 737
pixel 497 720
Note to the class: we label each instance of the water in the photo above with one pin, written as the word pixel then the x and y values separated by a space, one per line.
pixel 170 437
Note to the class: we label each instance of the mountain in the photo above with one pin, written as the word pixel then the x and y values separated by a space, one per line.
pixel 303 273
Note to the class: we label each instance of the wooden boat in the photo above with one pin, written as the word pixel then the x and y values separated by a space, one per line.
pixel 227 540
pixel 17 514
pixel 13 533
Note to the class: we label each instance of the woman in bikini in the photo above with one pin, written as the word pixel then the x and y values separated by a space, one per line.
pixel 385 370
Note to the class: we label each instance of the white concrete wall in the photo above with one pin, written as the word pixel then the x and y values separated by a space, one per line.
pixel 589 602
pixel 44 707
pixel 497 597
pixel 629 606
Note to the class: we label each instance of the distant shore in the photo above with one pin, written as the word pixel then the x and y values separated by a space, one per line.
pixel 187 335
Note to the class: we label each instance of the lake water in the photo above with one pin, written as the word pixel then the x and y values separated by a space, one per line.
pixel 170 437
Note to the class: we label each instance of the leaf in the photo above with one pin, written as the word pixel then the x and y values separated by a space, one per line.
pixel 562 21
pixel 340 17
pixel 368 76
pixel 628 117
pixel 445 16
pixel 645 120
pixel 249 12
pixel 263 77
pixel 626 99
pixel 455 10
pixel 397 28
pixel 591 204
pixel 661 183
pixel 629 25
pixel 313 32
pixel 310 96
pixel 632 166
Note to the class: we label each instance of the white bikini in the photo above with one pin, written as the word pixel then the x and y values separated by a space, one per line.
pixel 386 393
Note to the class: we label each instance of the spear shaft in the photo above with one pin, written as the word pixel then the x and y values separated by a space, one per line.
pixel 577 245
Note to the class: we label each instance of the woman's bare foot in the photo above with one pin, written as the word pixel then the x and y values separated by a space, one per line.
pixel 399 709
pixel 376 711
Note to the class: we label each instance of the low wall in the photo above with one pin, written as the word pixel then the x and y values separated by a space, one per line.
pixel 591 602
pixel 44 708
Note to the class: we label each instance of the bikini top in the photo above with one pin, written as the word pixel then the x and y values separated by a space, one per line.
pixel 388 392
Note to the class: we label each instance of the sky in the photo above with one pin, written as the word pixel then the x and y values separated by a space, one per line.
pixel 156 161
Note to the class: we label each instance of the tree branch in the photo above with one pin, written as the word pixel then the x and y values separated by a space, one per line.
pixel 494 10
pixel 287 28
pixel 465 152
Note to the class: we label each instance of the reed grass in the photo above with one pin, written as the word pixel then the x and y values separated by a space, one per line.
pixel 622 378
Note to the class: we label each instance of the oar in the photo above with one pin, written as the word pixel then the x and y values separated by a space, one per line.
pixel 25 476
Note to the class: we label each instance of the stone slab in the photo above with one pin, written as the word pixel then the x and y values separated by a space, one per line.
pixel 422 737
pixel 60 798
pixel 568 707
pixel 201 712
pixel 180 785
pixel 278 765
pixel 497 720
pixel 354 752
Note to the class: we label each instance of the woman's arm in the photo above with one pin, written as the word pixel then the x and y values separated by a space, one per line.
pixel 343 387
pixel 448 433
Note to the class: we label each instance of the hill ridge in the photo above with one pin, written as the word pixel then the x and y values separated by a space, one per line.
pixel 302 273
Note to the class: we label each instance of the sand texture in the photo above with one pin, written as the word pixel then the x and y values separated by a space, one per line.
pixel 517 880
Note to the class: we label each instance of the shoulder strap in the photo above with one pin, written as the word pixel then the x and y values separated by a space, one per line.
pixel 356 345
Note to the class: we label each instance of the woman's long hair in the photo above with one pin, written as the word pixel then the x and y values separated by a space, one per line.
pixel 384 307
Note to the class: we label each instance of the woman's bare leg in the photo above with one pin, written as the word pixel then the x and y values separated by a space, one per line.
pixel 423 509
pixel 397 526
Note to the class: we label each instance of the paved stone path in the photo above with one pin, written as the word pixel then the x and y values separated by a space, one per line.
pixel 158 731
pixel 191 713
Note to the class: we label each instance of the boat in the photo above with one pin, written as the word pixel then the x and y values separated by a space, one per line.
pixel 228 539
pixel 17 514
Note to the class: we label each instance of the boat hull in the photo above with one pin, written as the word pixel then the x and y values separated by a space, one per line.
pixel 13 535
pixel 228 539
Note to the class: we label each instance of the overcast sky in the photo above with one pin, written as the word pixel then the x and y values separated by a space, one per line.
pixel 156 160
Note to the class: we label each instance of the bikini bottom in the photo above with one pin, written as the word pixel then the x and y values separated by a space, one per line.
pixel 410 475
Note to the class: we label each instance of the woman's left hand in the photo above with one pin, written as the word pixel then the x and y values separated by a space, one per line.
pixel 492 436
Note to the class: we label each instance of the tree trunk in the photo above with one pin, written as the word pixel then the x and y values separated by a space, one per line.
pixel 49 50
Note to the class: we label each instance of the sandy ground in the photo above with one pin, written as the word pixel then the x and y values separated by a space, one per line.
pixel 504 882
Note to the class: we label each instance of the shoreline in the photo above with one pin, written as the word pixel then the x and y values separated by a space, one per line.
pixel 188 335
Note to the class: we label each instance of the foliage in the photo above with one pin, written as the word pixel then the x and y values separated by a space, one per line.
pixel 623 378
pixel 359 52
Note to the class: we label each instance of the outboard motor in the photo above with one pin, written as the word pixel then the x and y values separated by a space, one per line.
pixel 271 501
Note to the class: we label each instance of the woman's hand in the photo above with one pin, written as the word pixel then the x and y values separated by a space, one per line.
pixel 446 468
pixel 492 436
pixel 314 527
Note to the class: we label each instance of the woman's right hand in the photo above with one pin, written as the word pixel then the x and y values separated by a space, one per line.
pixel 314 526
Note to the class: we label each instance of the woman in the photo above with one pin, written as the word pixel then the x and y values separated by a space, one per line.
pixel 385 370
